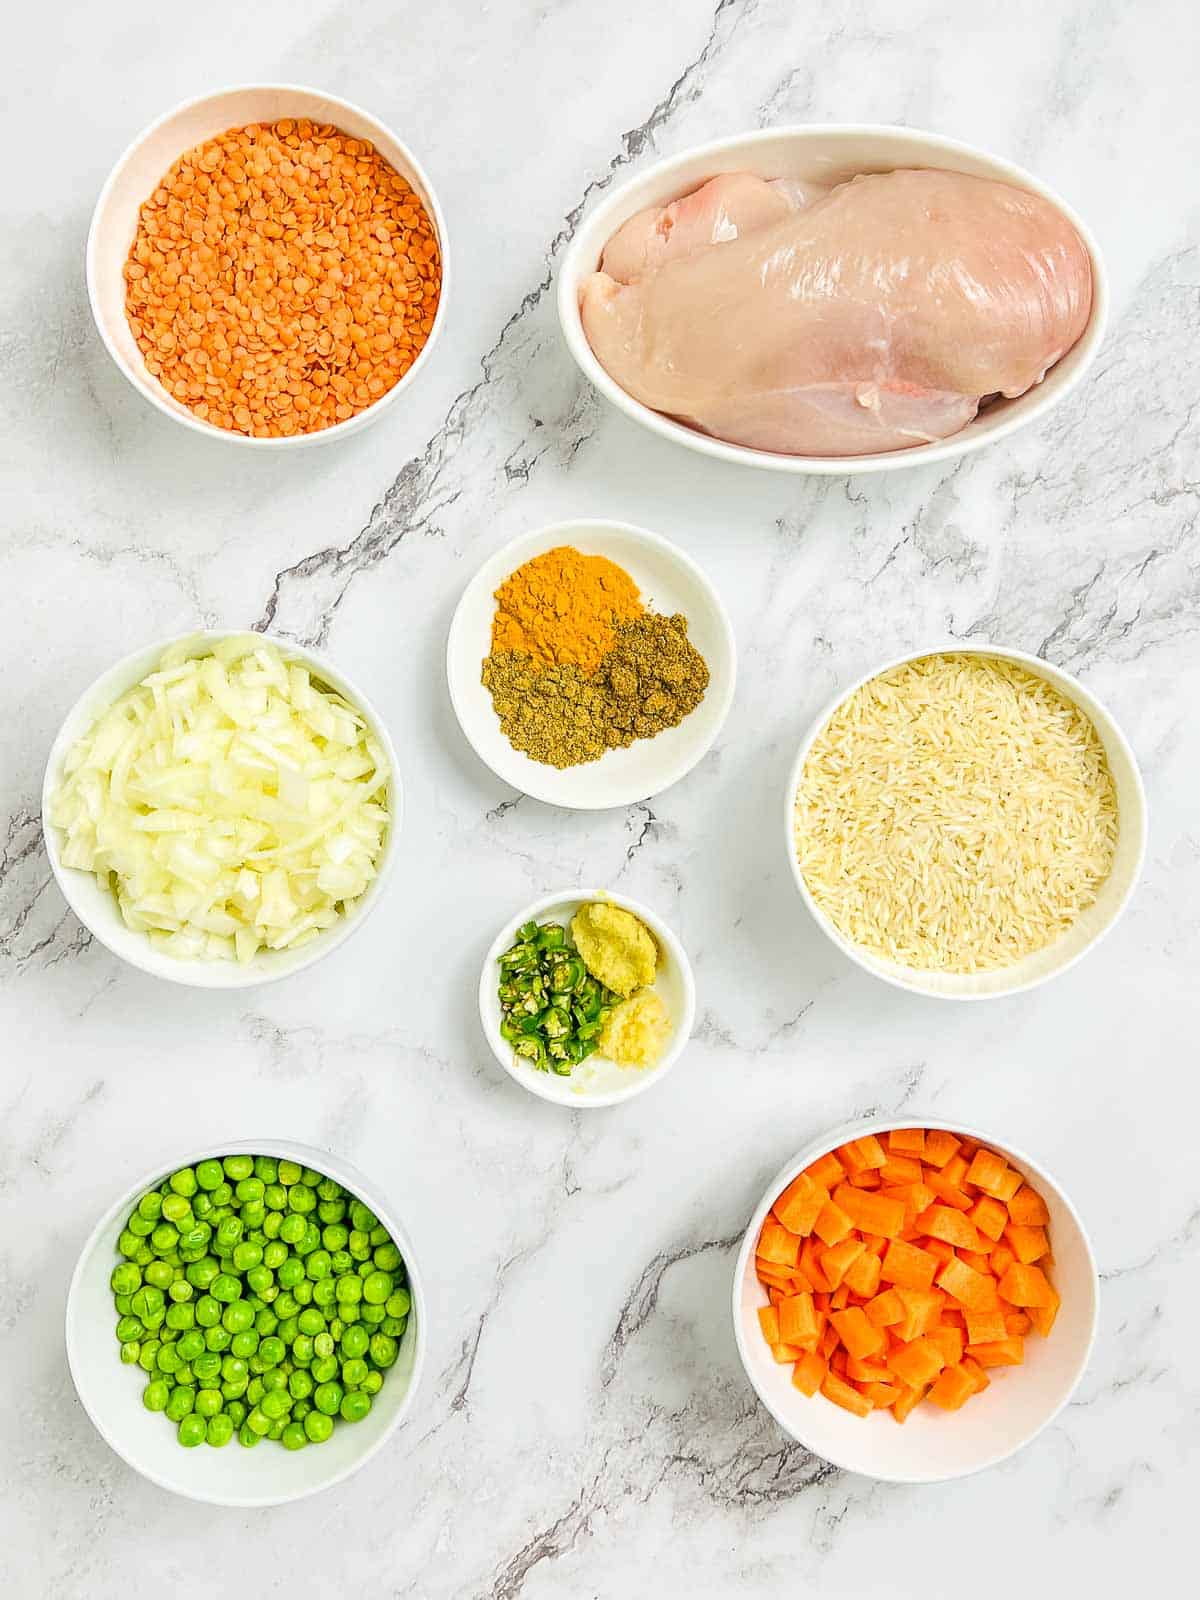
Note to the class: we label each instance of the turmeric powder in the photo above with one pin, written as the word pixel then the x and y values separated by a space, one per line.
pixel 561 609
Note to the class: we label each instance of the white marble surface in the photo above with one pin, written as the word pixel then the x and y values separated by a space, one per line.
pixel 585 1429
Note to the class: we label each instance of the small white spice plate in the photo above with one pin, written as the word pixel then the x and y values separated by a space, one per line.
pixel 670 582
pixel 596 1081
pixel 1086 931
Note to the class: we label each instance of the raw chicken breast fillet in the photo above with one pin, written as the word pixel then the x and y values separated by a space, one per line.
pixel 872 317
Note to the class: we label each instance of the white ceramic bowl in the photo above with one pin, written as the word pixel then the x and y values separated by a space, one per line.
pixel 596 1081
pixel 231 1476
pixel 932 1444
pixel 142 167
pixel 669 581
pixel 1086 931
pixel 97 909
pixel 829 153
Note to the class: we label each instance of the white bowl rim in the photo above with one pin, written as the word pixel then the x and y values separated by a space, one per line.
pixel 339 430
pixel 583 528
pixel 363 1189
pixel 1084 698
pixel 156 965
pixel 556 1090
pixel 856 1129
pixel 965 442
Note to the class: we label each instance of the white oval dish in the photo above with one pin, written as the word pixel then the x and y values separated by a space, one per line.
pixel 1094 923
pixel 595 1082
pixel 231 1476
pixel 932 1445
pixel 97 909
pixel 670 581
pixel 141 169
pixel 829 153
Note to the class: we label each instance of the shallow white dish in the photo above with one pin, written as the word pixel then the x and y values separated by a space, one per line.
pixel 97 909
pixel 232 1476
pixel 1095 922
pixel 669 581
pixel 830 153
pixel 932 1444
pixel 142 167
pixel 596 1081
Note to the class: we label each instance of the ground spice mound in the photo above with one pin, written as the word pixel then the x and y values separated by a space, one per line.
pixel 560 609
pixel 282 278
pixel 650 680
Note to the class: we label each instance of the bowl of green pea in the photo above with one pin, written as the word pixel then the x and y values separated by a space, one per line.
pixel 246 1326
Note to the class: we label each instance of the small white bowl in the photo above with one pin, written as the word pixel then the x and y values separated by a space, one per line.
pixel 669 581
pixel 144 165
pixel 232 1476
pixel 932 1445
pixel 596 1081
pixel 1086 931
pixel 830 154
pixel 97 909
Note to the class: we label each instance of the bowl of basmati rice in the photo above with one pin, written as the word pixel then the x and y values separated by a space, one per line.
pixel 965 823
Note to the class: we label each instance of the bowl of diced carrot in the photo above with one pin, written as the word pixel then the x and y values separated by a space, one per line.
pixel 914 1301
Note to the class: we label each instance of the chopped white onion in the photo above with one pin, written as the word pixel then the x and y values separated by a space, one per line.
pixel 230 802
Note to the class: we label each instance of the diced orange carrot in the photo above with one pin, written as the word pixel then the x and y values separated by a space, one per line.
pixel 974 1290
pixel 976 1373
pixel 922 1307
pixel 827 1171
pixel 886 1308
pixel 1043 1317
pixel 809 1372
pixel 1026 1286
pixel 784 1353
pixel 1000 1260
pixel 989 1216
pixel 1009 1185
pixel 909 1399
pixel 864 1180
pixel 871 1212
pixel 810 1266
pixel 901 1169
pixel 955 1170
pixel 1028 1208
pixel 950 1341
pixel 975 1259
pixel 860 1337
pixel 860 1154
pixel 952 1389
pixel 842 1394
pixel 798 1320
pixel 832 1224
pixel 946 1191
pixel 937 1247
pixel 939 1146
pixel 1027 1243
pixel 944 1222
pixel 840 1298
pixel 883 1395
pixel 768 1320
pixel 776 1244
pixel 907 1141
pixel 984 1327
pixel 838 1257
pixel 829 1341
pixel 999 1352
pixel 908 1265
pixel 875 1243
pixel 862 1275
pixel 988 1172
pixel 859 1371
pixel 917 1363
pixel 800 1204
pixel 1017 1322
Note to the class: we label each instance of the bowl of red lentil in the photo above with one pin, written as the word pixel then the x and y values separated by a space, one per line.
pixel 267 264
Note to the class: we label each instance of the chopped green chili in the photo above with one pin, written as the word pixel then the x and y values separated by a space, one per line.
pixel 552 1009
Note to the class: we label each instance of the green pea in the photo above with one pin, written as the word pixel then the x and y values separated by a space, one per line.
pixel 225 1287
pixel 337 1328
pixel 221 1196
pixel 247 1435
pixel 289 1274
pixel 129 1327
pixel 180 1403
pixel 169 1359
pixel 202 1274
pixel 303 1292
pixel 148 1304
pixel 258 1278
pixel 181 1316
pixel 293 1436
pixel 148 1356
pixel 335 1236
pixel 362 1217
pixel 127 1243
pixel 398 1303
pixel 274 1255
pixel 393 1326
pixel 324 1292
pixel 291 1229
pixel 149 1207
pixel 300 1409
pixel 331 1210
pixel 219 1430
pixel 359 1245
pixel 384 1350
pixel 159 1275
pixel 340 1263
pixel 192 1430
pixel 127 1278
pixel 234 1388
pixel 237 1411
pixel 302 1349
pixel 275 1197
pixel 301 1199
pixel 354 1342
pixel 329 1189
pixel 238 1167
pixel 175 1208
pixel 289 1327
pixel 350 1312
pixel 349 1290
pixel 217 1338
pixel 238 1317
pixel 271 1352
pixel 233 1369
pixel 156 1394
pixel 376 1287
pixel 191 1345
pixel 274 1404
pixel 311 1321
pixel 209 1402
pixel 277 1378
pixel 318 1426
pixel 243 1345
pixel 355 1406
pixel 206 1366
pixel 372 1383
pixel 229 1231
pixel 326 1368
pixel 130 1352
pixel 300 1385
pixel 272 1223
pixel 266 1322
pixel 323 1345
pixel 290 1172
pixel 180 1290
pixel 387 1258
pixel 311 1177
pixel 372 1314
pixel 208 1311
pixel 183 1182
pixel 201 1205
pixel 353 1373
pixel 255 1390
pixel 165 1237
pixel 258 1422
pixel 194 1241
pixel 141 1227
pixel 246 1256
pixel 266 1168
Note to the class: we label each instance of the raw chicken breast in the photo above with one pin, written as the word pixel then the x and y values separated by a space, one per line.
pixel 870 318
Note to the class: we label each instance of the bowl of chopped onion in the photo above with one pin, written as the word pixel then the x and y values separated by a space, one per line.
pixel 221 809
